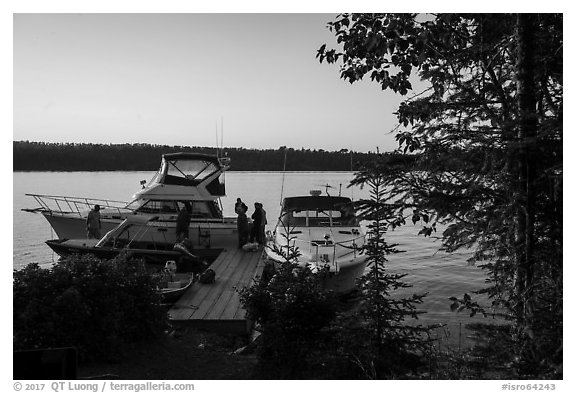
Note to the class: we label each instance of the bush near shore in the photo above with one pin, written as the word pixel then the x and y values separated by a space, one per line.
pixel 97 306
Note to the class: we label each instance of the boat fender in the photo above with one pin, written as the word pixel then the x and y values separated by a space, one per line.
pixel 208 276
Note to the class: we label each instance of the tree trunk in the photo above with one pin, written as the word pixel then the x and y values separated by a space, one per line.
pixel 527 132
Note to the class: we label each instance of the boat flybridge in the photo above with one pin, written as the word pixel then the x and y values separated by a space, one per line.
pixel 182 177
pixel 326 234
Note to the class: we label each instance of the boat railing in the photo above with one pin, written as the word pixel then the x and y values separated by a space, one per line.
pixel 72 205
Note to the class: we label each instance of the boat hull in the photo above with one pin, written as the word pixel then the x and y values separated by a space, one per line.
pixel 65 248
pixel 204 234
pixel 343 280
pixel 346 279
pixel 172 295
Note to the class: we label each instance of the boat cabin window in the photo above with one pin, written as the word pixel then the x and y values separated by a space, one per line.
pixel 203 209
pixel 319 218
pixel 318 211
pixel 344 217
pixel 158 207
pixel 200 209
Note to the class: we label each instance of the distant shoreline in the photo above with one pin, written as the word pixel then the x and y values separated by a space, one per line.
pixel 74 157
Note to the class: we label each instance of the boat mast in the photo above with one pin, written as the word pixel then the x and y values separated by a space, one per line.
pixel 219 143
pixel 222 132
pixel 217 149
pixel 283 176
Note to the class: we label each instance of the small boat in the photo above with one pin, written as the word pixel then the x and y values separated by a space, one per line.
pixel 182 178
pixel 326 235
pixel 172 285
pixel 132 238
pixel 175 289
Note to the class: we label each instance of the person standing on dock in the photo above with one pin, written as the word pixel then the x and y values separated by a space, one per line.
pixel 256 222
pixel 239 206
pixel 93 223
pixel 242 225
pixel 183 222
pixel 259 217
pixel 262 231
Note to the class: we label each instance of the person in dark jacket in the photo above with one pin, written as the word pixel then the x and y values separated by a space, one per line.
pixel 259 224
pixel 93 223
pixel 242 224
pixel 183 222
pixel 239 206
pixel 256 222
pixel 263 222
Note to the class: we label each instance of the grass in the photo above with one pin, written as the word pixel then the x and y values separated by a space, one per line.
pixel 182 354
pixel 188 354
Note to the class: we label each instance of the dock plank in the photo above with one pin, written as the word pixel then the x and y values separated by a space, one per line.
pixel 233 308
pixel 217 306
pixel 215 291
pixel 245 264
pixel 239 312
pixel 188 305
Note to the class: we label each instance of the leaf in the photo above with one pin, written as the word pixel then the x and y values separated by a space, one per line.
pixel 426 231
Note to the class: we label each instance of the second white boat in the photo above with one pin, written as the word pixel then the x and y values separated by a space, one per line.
pixel 325 233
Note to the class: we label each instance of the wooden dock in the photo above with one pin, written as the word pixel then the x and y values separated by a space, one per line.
pixel 216 306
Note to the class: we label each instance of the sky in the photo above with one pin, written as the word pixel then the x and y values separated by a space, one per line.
pixel 242 80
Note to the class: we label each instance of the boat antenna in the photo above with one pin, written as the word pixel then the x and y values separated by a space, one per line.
pixel 222 143
pixel 283 176
pixel 222 132
pixel 326 186
pixel 351 170
pixel 217 149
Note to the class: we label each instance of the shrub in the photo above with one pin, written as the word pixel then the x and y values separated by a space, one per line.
pixel 291 308
pixel 97 306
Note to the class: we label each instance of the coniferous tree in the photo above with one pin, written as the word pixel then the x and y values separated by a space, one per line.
pixel 393 343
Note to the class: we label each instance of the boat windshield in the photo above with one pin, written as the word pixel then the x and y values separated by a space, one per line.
pixel 131 229
pixel 191 169
pixel 187 171
pixel 318 212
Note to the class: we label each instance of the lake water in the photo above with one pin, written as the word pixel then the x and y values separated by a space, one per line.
pixel 429 270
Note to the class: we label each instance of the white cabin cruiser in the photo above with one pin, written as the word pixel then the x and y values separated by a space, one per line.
pixel 326 234
pixel 182 178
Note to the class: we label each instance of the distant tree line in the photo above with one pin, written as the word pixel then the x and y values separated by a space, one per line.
pixel 43 156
